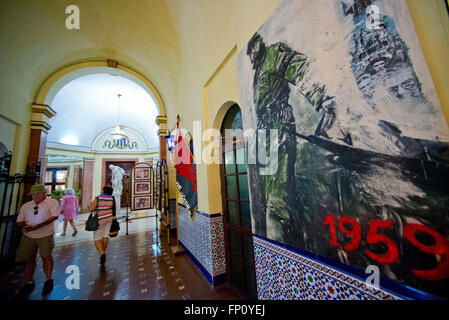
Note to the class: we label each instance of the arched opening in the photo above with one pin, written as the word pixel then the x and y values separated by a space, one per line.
pixel 89 99
pixel 61 77
pixel 240 267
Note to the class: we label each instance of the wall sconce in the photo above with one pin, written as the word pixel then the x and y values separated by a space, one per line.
pixel 170 140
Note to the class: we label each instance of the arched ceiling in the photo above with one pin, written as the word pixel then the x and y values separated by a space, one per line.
pixel 88 105
pixel 139 34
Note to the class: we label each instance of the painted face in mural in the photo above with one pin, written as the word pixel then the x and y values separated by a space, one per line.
pixel 400 54
pixel 253 52
pixel 366 85
pixel 379 67
pixel 402 82
pixel 255 49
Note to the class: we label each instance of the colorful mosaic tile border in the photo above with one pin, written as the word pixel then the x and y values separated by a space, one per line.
pixel 286 275
pixel 217 245
pixel 203 239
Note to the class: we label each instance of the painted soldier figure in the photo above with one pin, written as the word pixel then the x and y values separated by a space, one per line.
pixel 276 67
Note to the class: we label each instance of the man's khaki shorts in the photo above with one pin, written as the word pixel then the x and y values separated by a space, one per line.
pixel 28 247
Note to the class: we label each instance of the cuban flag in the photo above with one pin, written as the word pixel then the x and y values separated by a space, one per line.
pixel 185 173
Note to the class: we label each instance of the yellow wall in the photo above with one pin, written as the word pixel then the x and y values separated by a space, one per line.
pixel 139 34
pixel 11 136
pixel 208 32
pixel 7 133
pixel 213 77
pixel 186 48
pixel 431 21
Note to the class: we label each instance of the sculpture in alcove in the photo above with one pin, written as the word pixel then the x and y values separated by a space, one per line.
pixel 117 186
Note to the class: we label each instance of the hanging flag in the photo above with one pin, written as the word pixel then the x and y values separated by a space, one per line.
pixel 185 173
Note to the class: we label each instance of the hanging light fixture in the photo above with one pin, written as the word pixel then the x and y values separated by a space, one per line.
pixel 117 133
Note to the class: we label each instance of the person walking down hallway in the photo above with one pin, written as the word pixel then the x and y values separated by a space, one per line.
pixel 69 208
pixel 36 219
pixel 104 204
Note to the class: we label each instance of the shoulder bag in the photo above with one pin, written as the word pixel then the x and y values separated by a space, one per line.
pixel 115 226
pixel 92 221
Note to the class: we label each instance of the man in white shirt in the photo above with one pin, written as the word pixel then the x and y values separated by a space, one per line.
pixel 36 219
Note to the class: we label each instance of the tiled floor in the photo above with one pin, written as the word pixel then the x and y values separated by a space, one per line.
pixel 138 266
pixel 139 225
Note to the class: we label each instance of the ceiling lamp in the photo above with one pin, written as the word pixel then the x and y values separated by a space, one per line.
pixel 117 133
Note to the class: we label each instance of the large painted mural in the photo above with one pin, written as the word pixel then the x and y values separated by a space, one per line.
pixel 363 146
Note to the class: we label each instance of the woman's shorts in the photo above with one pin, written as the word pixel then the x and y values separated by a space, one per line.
pixel 28 247
pixel 102 231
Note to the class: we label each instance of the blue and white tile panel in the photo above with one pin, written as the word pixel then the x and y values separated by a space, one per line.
pixel 204 240
pixel 286 275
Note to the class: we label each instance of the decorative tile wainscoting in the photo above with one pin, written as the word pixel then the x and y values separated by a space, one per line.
pixel 285 273
pixel 203 239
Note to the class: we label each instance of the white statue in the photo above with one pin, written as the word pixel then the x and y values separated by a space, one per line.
pixel 117 186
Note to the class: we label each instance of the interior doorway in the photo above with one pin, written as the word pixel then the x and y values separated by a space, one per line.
pixel 91 88
pixel 126 165
pixel 240 267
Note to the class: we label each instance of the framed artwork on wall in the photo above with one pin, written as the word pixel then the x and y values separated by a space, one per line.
pixel 142 202
pixel 142 187
pixel 142 173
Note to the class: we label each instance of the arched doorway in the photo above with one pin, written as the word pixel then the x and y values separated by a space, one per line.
pixel 236 206
pixel 48 90
pixel 82 103
pixel 43 102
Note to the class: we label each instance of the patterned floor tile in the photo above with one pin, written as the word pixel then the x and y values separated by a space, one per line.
pixel 133 270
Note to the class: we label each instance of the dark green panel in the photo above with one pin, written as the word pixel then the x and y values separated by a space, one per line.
pixel 231 187
pixel 233 212
pixel 248 250
pixel 250 282
pixel 237 272
pixel 229 162
pixel 241 160
pixel 246 215
pixel 235 244
pixel 243 186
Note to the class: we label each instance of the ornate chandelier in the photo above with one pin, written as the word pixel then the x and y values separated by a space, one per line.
pixel 117 133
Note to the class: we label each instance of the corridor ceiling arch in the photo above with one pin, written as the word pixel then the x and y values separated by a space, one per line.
pixel 63 76
pixel 88 105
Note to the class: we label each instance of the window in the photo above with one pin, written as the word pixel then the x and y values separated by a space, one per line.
pixel 56 179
